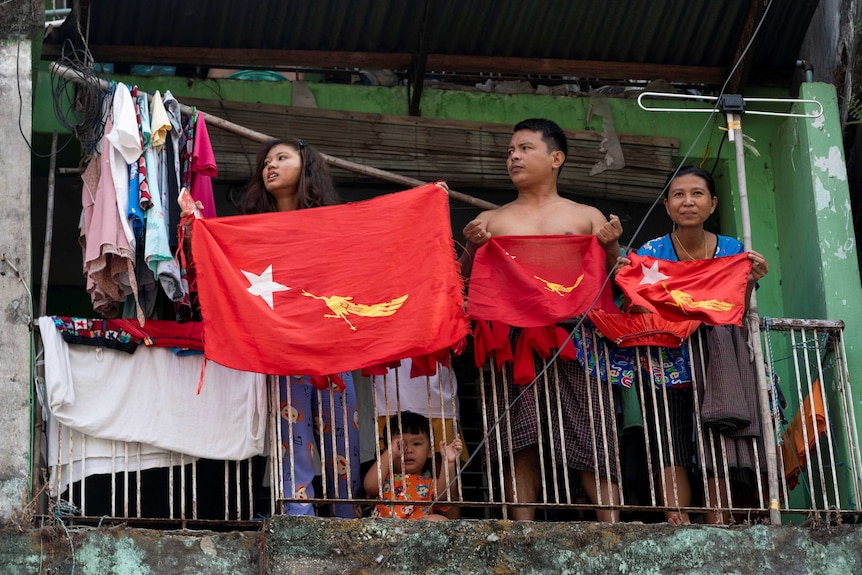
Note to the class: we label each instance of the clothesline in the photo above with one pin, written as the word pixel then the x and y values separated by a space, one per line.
pixel 255 136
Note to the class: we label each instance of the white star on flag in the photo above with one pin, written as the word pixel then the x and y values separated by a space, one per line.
pixel 263 286
pixel 652 275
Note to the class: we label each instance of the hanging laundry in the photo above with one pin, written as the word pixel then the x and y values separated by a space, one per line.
pixel 793 445
pixel 108 256
pixel 151 397
pixel 125 150
pixel 203 169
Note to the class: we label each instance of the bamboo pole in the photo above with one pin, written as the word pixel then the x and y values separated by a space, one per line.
pixel 49 228
pixel 260 137
pixel 735 125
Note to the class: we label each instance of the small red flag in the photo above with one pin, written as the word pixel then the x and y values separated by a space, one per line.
pixel 534 281
pixel 711 291
pixel 331 289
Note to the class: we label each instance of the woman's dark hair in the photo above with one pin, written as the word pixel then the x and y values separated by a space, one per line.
pixel 314 188
pixel 691 171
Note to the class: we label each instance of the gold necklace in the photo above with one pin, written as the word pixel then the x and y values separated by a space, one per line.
pixel 685 251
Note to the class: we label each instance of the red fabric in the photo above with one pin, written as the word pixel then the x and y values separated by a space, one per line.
pixel 426 365
pixel 164 333
pixel 491 337
pixel 324 382
pixel 533 281
pixel 635 329
pixel 203 168
pixel 711 291
pixel 352 286
pixel 539 342
pixel 379 369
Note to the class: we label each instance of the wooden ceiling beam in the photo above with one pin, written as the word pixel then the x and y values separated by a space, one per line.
pixel 238 58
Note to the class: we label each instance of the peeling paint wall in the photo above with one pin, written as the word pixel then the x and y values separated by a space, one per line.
pixel 15 383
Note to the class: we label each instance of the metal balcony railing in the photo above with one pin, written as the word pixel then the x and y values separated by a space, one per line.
pixel 635 436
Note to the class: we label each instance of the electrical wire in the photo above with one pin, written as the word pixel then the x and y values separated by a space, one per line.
pixel 608 277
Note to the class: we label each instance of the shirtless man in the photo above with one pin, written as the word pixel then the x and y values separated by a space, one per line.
pixel 536 154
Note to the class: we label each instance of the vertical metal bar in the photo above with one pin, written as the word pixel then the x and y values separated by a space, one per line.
pixel 489 473
pixel 385 428
pixel 499 434
pixel 182 486
pixel 113 478
pixel 347 417
pixel 615 438
pixel 238 483
pixel 593 439
pixel 333 443
pixel 276 451
pixel 804 419
pixel 318 423
pixel 850 414
pixel 171 486
pixel 776 419
pixel 290 447
pixel 602 420
pixel 640 389
pixel 829 443
pixel 250 488
pixel 433 439
pixel 125 479
pixel 561 427
pixel 84 475
pixel 226 486
pixel 698 423
pixel 659 444
pixel 138 487
pixel 69 497
pixel 543 483
pixel 549 420
pixel 455 427
pixel 508 417
pixel 669 434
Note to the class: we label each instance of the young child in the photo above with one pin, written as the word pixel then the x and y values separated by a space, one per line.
pixel 409 457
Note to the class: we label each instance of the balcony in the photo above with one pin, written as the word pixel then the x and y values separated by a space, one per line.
pixel 814 474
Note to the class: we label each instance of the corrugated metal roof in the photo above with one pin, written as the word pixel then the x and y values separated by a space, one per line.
pixel 648 32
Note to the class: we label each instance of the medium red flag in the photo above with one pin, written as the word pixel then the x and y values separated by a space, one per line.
pixel 534 281
pixel 330 289
pixel 711 291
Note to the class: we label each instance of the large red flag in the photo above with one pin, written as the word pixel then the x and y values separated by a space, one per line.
pixel 534 281
pixel 711 291
pixel 330 289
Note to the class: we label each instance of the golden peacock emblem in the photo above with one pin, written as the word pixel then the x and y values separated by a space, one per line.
pixel 683 300
pixel 560 289
pixel 343 306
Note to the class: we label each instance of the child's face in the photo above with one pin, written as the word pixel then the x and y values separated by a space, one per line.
pixel 416 448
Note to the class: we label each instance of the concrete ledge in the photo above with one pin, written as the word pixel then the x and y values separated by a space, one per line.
pixel 310 546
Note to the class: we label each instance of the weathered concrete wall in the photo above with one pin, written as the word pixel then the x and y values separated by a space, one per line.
pixel 15 302
pixel 124 551
pixel 309 546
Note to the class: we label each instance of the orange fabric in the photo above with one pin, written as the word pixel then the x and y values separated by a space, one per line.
pixel 711 291
pixel 331 289
pixel 793 446
pixel 408 487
